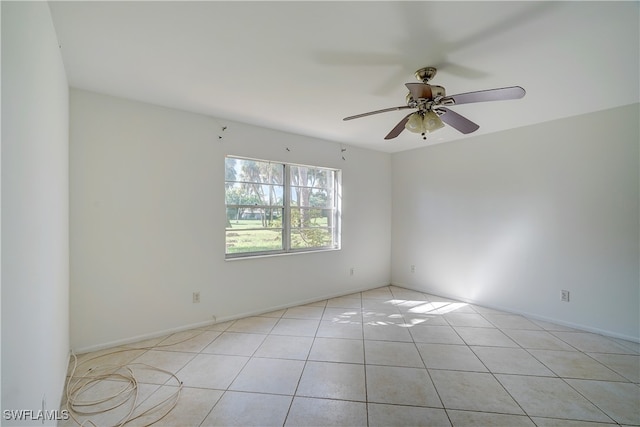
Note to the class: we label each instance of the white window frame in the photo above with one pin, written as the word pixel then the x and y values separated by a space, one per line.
pixel 286 212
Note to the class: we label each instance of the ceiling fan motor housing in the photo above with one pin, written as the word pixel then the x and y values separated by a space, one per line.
pixel 428 93
pixel 437 91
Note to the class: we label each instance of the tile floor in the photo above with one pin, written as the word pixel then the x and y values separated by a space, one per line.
pixel 384 357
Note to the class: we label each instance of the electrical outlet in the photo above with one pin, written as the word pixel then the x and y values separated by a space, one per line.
pixel 564 296
pixel 413 268
pixel 352 271
pixel 196 297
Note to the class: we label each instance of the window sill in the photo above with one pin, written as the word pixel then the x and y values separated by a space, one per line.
pixel 279 254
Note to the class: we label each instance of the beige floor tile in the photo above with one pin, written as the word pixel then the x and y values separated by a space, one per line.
pixel 345 302
pixel 418 319
pixel 386 332
pixel 311 412
pixel 253 325
pixel 574 364
pixel 589 342
pixel 275 376
pixel 277 313
pixel 485 310
pixel 380 303
pixel 193 405
pixel 381 415
pixel 441 308
pixel 192 341
pixel 379 317
pixel 555 422
pixel 633 346
pixel 407 294
pixel 487 419
pixel 340 329
pixel 451 357
pixel 549 326
pixel 303 312
pixel 320 303
pixel 338 314
pixel 337 350
pixel 621 401
pixel 386 313
pixel 467 319
pixel 329 380
pixel 401 386
pixel 285 347
pixel 437 298
pixel 248 409
pixel 425 307
pixel 378 293
pixel 220 327
pixel 211 371
pixel 147 344
pixel 169 361
pixel 550 397
pixel 484 337
pixel 475 391
pixel 541 340
pixel 410 306
pixel 104 359
pixel 511 321
pixel 461 307
pixel 235 343
pixel 356 295
pixel 296 327
pixel 506 360
pixel 435 335
pixel 627 365
pixel 392 354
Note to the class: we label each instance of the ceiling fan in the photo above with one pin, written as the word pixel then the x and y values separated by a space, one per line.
pixel 430 103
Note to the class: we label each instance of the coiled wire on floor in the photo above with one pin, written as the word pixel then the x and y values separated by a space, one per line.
pixel 126 396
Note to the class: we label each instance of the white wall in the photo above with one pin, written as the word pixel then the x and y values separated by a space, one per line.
pixel 147 222
pixel 35 203
pixel 510 219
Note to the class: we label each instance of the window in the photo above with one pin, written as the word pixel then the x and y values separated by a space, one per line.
pixel 280 208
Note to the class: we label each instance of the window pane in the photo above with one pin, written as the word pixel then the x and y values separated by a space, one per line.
pixel 311 238
pixel 305 176
pixel 255 207
pixel 311 197
pixel 257 171
pixel 243 217
pixel 239 241
pixel 301 218
pixel 252 182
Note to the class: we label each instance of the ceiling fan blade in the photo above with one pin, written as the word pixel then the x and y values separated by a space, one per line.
pixel 420 90
pixel 386 110
pixel 456 121
pixel 398 128
pixel 513 92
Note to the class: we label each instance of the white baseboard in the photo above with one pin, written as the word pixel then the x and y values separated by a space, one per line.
pixel 160 333
pixel 530 315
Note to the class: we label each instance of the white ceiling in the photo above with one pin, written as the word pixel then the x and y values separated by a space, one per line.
pixel 301 67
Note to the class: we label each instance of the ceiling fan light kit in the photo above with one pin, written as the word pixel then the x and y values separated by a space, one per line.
pixel 423 122
pixel 430 101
